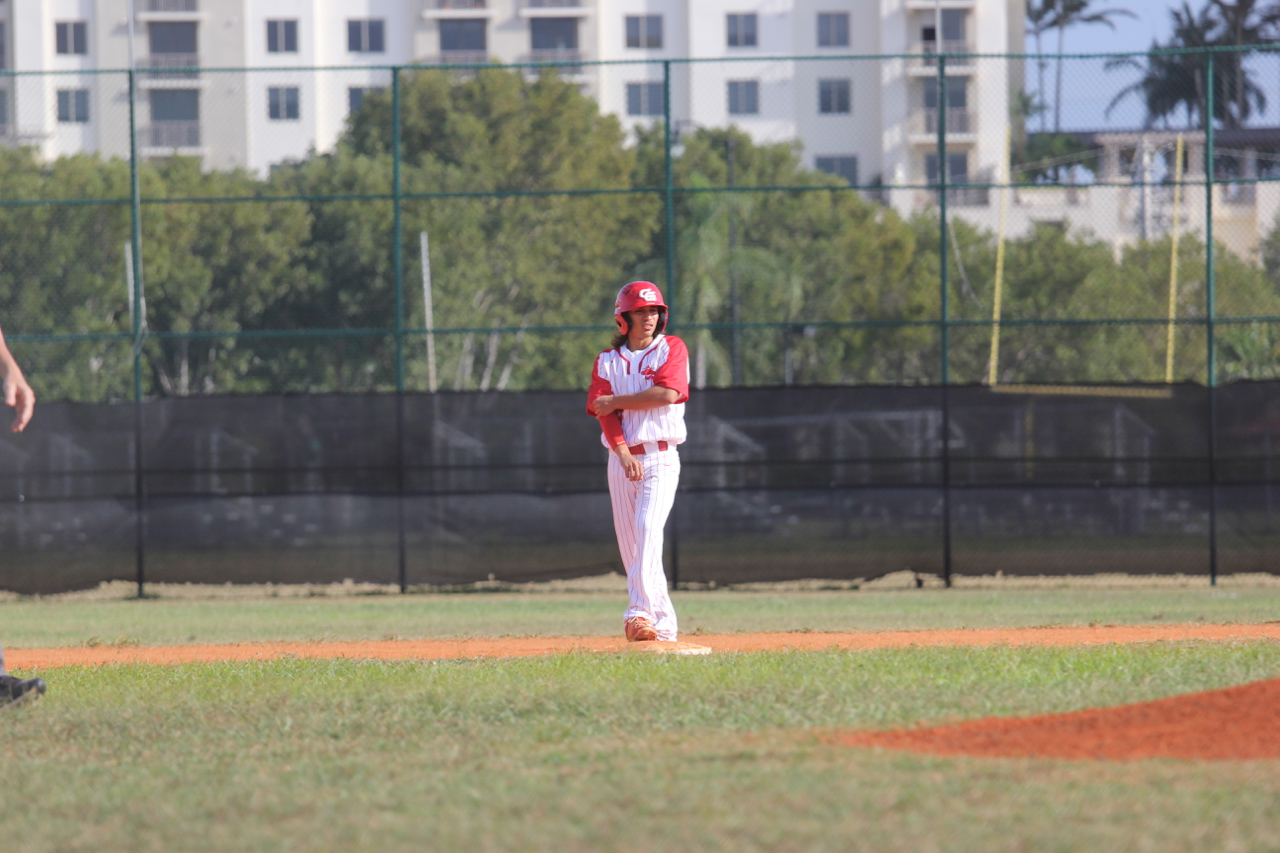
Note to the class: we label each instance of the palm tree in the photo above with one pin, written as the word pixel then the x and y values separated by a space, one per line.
pixel 1243 23
pixel 1177 80
pixel 1040 16
pixel 1069 13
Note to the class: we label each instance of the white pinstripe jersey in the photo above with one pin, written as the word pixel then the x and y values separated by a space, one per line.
pixel 664 362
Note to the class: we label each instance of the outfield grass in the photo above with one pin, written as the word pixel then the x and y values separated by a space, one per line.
pixel 614 752
pixel 69 621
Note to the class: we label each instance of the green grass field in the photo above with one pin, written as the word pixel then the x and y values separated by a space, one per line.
pixel 612 752
pixel 71 620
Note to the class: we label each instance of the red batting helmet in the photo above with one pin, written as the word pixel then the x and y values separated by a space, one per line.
pixel 638 294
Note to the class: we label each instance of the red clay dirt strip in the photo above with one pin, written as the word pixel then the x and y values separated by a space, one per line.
pixel 530 646
pixel 1235 723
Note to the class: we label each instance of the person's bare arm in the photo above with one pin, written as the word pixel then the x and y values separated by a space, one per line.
pixel 17 393
pixel 630 464
pixel 649 398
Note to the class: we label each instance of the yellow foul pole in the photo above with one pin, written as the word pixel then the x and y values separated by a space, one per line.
pixel 999 283
pixel 1173 260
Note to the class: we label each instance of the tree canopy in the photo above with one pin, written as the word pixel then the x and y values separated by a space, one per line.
pixel 538 208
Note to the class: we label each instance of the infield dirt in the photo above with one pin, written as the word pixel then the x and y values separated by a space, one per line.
pixel 1237 723
pixel 499 647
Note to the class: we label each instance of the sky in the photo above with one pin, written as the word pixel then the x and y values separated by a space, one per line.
pixel 1130 34
pixel 1088 88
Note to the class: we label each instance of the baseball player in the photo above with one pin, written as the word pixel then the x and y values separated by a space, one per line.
pixel 638 391
pixel 17 394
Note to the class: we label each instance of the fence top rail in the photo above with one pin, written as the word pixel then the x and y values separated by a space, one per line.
pixel 677 190
pixel 553 64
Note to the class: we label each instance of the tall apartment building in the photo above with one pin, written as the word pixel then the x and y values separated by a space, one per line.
pixel 866 120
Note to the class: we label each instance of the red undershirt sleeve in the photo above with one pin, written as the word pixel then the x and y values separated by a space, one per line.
pixel 611 424
pixel 600 387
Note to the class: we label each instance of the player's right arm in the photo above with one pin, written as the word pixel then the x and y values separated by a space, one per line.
pixel 17 393
pixel 611 424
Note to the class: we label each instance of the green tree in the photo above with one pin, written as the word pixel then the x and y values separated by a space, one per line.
pixel 549 247
pixel 213 267
pixel 63 227
pixel 803 257
pixel 1178 80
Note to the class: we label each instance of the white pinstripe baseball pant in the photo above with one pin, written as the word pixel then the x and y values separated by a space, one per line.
pixel 640 512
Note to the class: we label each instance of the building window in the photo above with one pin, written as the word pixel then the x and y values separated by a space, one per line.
pixel 834 96
pixel 644 99
pixel 953 33
pixel 465 35
pixel 957 95
pixel 73 105
pixel 833 29
pixel 957 168
pixel 957 114
pixel 742 30
pixel 841 167
pixel 4 56
pixel 744 97
pixel 366 35
pixel 175 118
pixel 644 31
pixel 172 37
pixel 175 105
pixel 554 33
pixel 282 102
pixel 357 94
pixel 71 36
pixel 282 36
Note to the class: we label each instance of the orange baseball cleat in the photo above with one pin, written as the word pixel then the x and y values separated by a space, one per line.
pixel 640 630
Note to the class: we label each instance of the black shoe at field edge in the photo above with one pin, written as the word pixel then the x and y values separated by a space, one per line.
pixel 17 690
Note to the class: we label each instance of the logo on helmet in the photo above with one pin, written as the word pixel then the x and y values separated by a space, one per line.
pixel 649 294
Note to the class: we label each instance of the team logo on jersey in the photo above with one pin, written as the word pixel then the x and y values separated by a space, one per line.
pixel 648 373
pixel 649 295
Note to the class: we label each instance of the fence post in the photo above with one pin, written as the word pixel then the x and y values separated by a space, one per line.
pixel 944 309
pixel 669 199
pixel 398 243
pixel 669 190
pixel 135 238
pixel 1209 297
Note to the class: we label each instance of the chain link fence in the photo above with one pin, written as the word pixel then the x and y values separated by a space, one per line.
pixel 1037 293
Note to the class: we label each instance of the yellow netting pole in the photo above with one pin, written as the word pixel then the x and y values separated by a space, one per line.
pixel 999 283
pixel 1173 261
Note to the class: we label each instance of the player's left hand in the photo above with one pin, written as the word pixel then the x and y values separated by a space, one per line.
pixel 604 404
pixel 18 394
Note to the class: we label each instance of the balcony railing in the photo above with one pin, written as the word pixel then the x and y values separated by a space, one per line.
pixel 459 4
pixel 458 57
pixel 960 196
pixel 552 4
pixel 969 196
pixel 928 51
pixel 958 120
pixel 172 6
pixel 568 60
pixel 1238 193
pixel 173 134
pixel 165 64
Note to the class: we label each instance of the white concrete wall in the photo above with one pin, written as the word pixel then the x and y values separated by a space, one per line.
pixel 708 100
pixel 612 45
pixel 857 132
pixel 319 106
